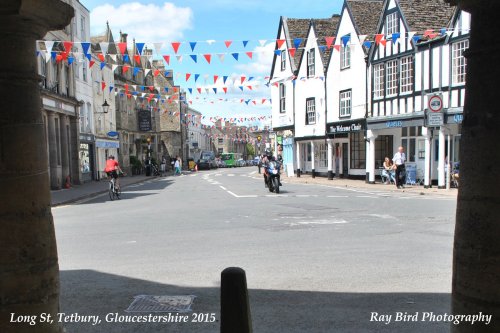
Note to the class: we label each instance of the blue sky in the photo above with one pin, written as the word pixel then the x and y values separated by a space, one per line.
pixel 187 21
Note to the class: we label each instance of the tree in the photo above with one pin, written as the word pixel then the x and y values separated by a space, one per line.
pixel 28 252
pixel 250 149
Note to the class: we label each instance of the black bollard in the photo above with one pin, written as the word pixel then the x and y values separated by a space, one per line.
pixel 235 307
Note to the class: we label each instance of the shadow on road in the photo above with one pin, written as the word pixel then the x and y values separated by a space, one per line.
pixel 89 292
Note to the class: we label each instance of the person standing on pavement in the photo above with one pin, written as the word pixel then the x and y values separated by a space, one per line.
pixel 399 160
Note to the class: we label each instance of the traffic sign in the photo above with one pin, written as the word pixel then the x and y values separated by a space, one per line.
pixel 435 119
pixel 435 102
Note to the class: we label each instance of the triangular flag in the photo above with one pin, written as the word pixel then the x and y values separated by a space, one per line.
pixel 156 73
pixel 362 39
pixel 196 76
pixel 188 75
pixel 292 51
pixel 450 32
pixel 245 42
pixel 146 71
pixel 430 33
pixel 215 78
pixel 193 45
pixel 337 47
pixel 279 42
pixel 194 57
pixel 126 58
pixel 322 48
pixel 167 59
pixel 111 88
pixel 199 90
pixel 136 70
pixel 103 64
pixel 416 38
pixel 378 38
pixel 235 56
pixel 296 42
pixel 241 88
pixel 263 100
pixel 101 57
pixel 249 87
pixel 140 47
pixel 103 85
pixel 50 44
pixel 208 57
pixel 70 60
pixel 122 47
pixel 190 90
pixel 329 41
pixel 88 55
pixel 228 43
pixel 221 57
pixel 125 69
pixel 215 90
pixel 224 78
pixel 91 63
pixel 345 39
pixel 113 56
pixel 179 58
pixel 395 37
pixel 411 34
pixel 158 47
pixel 67 46
pixel 113 67
pixel 210 41
pixel 103 45
pixel 225 90
pixel 262 42
pixel 243 78
pixel 442 31
pixel 175 46
pixel 277 52
pixel 383 42
pixel 249 54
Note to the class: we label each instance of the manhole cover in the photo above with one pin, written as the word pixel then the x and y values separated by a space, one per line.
pixel 150 303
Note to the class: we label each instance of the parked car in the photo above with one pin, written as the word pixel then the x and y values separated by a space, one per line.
pixel 240 162
pixel 221 164
pixel 207 161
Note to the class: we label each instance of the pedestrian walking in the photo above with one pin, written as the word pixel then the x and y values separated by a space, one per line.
pixel 163 165
pixel 399 160
pixel 177 166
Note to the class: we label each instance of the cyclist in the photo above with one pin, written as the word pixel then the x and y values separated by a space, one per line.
pixel 112 168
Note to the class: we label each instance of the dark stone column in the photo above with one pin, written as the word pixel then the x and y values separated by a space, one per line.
pixel 28 253
pixel 64 134
pixel 476 257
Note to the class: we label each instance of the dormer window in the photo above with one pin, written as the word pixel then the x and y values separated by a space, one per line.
pixel 310 63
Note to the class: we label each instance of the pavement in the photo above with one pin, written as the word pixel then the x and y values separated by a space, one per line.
pixel 88 190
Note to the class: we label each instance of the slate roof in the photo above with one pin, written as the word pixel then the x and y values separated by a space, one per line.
pixel 426 14
pixel 297 28
pixel 366 15
pixel 325 28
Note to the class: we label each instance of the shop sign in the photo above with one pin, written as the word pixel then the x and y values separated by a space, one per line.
pixel 394 123
pixel 458 118
pixel 112 133
pixel 345 128
pixel 144 120
pixel 107 144
pixel 279 139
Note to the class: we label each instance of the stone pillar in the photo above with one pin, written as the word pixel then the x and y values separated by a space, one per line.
pixel 313 164
pixel 441 154
pixel 330 158
pixel 55 181
pixel 426 132
pixel 74 150
pixel 476 256
pixel 64 135
pixel 28 251
pixel 370 160
pixel 298 158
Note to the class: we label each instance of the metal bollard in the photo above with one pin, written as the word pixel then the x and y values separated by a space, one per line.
pixel 235 307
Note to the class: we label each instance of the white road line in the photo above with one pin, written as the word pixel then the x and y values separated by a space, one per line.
pixel 338 196
pixel 218 174
pixel 230 175
pixel 222 187
pixel 366 196
pixel 253 172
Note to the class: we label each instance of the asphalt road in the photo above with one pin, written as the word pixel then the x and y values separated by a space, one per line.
pixel 317 258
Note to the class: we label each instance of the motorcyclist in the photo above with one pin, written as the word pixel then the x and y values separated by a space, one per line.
pixel 268 157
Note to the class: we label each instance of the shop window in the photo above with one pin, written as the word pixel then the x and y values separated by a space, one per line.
pixel 409 142
pixel 378 80
pixel 358 151
pixel 323 154
pixel 309 152
pixel 406 74
pixel 459 62
pixel 383 148
pixel 392 77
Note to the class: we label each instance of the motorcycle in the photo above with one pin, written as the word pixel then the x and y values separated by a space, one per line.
pixel 272 176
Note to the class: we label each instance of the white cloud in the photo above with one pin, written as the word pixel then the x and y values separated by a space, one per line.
pixel 146 23
pixel 262 61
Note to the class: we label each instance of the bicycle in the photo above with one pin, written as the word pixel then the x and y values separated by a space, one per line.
pixel 114 192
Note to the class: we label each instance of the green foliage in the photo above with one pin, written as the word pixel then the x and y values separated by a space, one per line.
pixel 250 149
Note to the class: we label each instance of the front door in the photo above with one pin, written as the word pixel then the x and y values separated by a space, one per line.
pixel 345 159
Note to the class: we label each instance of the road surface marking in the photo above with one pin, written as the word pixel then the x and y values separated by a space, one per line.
pixel 230 175
pixel 222 187
pixel 367 196
pixel 338 196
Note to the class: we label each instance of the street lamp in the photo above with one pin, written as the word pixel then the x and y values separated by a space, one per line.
pixel 105 107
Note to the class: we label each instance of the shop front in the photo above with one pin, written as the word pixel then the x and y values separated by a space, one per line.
pixel 347 149
pixel 105 148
